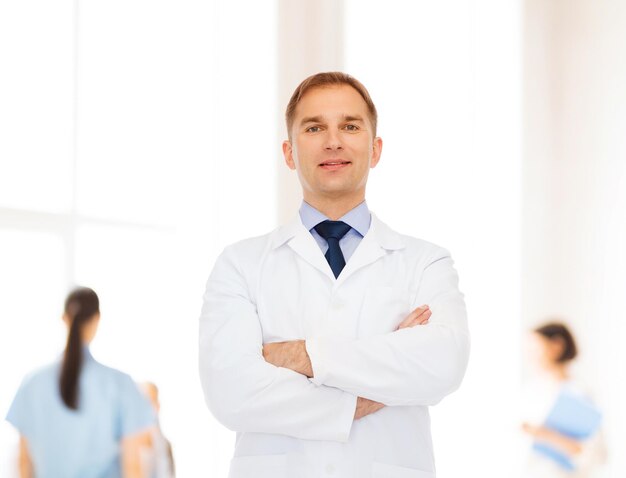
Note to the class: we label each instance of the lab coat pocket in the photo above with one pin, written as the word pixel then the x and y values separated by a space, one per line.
pixel 382 470
pixel 383 309
pixel 261 466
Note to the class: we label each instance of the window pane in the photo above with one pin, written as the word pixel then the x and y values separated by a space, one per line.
pixel 145 107
pixel 33 284
pixel 248 153
pixel 149 327
pixel 32 289
pixel 127 110
pixel 36 104
pixel 132 271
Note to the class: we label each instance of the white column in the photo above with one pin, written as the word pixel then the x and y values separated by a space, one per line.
pixel 310 40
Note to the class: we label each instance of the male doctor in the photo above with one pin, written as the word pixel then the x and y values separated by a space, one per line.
pixel 323 343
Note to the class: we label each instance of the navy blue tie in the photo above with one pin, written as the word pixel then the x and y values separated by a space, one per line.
pixel 333 231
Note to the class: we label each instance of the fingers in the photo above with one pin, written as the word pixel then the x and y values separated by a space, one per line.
pixel 415 314
pixel 422 319
pixel 366 407
pixel 406 321
pixel 418 316
pixel 422 309
pixel 421 315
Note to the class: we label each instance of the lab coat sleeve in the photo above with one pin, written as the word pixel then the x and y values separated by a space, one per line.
pixel 412 366
pixel 242 390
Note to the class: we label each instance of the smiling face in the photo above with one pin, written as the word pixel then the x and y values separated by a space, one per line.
pixel 332 145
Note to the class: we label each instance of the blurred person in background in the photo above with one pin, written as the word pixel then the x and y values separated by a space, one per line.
pixel 561 419
pixel 76 417
pixel 156 452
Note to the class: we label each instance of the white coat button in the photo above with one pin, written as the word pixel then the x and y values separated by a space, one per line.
pixel 337 305
pixel 330 469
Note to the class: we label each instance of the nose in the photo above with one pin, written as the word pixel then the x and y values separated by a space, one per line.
pixel 332 140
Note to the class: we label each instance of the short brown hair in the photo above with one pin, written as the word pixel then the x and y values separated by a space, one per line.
pixel 557 331
pixel 321 80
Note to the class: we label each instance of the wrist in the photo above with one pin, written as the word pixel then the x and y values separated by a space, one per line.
pixel 304 362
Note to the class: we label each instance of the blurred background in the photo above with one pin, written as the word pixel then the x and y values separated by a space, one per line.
pixel 139 137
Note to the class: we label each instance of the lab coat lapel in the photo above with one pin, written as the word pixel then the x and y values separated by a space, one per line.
pixel 378 241
pixel 302 243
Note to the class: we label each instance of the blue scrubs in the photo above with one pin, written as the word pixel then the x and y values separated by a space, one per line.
pixel 85 442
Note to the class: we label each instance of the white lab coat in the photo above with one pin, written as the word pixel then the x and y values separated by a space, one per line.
pixel 279 287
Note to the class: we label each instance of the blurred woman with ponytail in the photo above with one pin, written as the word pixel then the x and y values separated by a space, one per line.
pixel 77 417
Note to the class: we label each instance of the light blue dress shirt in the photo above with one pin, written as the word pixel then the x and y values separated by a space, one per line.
pixel 359 219
pixel 81 443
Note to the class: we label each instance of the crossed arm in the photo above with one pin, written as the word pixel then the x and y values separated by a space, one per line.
pixel 314 390
pixel 293 355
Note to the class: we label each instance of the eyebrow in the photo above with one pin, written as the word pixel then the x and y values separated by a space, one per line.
pixel 319 119
pixel 352 118
pixel 311 119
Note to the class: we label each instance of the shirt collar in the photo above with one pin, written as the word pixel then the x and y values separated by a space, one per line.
pixel 358 218
pixel 87 353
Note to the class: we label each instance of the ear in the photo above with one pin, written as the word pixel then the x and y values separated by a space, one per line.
pixel 288 154
pixel 377 149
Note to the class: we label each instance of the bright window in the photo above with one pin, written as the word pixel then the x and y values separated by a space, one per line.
pixel 134 135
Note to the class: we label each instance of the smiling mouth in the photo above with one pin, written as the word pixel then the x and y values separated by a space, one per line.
pixel 334 164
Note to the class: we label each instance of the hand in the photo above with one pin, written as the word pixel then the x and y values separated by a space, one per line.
pixel 366 407
pixel 566 444
pixel 532 430
pixel 291 354
pixel 419 316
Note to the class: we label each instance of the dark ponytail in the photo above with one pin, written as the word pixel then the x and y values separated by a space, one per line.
pixel 80 306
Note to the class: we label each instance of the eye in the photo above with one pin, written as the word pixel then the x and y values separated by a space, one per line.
pixel 313 129
pixel 351 127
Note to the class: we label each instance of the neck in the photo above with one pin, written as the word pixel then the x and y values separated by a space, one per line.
pixel 558 372
pixel 334 208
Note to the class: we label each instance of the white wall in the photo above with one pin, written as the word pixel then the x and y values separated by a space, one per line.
pixel 310 39
pixel 446 79
pixel 574 183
